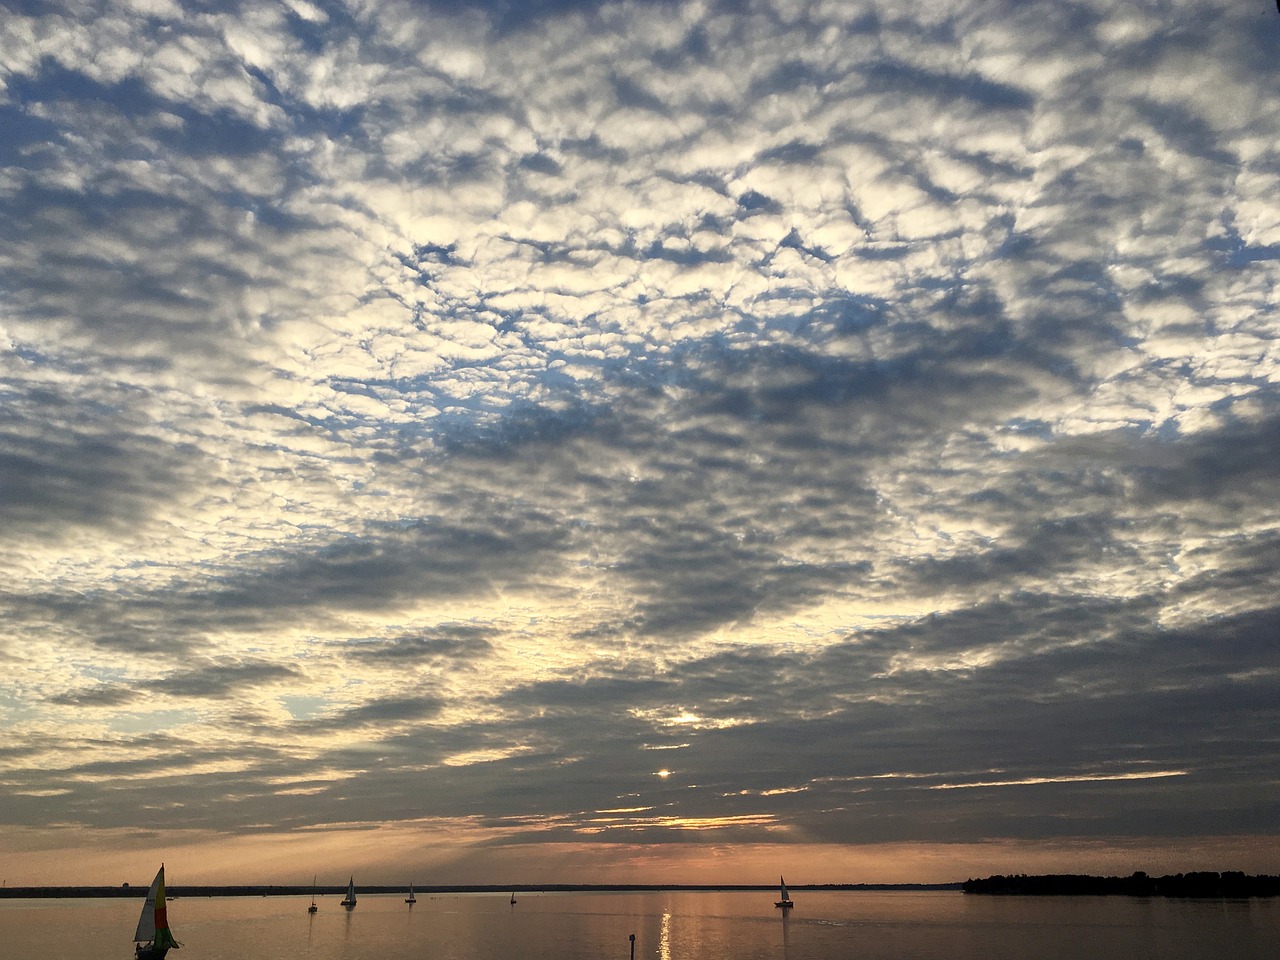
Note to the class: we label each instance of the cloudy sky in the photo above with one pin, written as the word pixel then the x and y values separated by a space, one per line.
pixel 551 440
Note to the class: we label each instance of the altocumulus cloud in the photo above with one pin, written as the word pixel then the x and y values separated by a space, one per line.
pixel 863 413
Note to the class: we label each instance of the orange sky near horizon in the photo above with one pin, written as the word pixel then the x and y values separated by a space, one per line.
pixel 393 854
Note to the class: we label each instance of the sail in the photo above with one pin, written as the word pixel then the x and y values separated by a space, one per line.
pixel 153 924
pixel 350 899
pixel 147 922
pixel 782 883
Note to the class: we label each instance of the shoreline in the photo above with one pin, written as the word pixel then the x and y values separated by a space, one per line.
pixel 1203 884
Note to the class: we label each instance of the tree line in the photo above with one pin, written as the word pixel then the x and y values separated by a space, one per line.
pixel 1231 884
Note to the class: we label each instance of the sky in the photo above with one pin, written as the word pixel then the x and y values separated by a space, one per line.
pixel 559 441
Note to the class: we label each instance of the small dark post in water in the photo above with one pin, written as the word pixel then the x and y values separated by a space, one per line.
pixel 633 947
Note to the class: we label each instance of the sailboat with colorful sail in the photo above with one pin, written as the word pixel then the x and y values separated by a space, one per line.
pixel 349 900
pixel 785 902
pixel 153 939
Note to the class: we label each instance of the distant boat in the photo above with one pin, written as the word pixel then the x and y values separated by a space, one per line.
pixel 513 896
pixel 785 903
pixel 152 940
pixel 349 900
pixel 313 908
pixel 411 899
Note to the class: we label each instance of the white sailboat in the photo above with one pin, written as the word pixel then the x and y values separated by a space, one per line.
pixel 785 902
pixel 153 939
pixel 349 900
pixel 411 899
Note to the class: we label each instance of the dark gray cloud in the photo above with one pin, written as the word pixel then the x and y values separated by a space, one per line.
pixel 106 695
pixel 451 643
pixel 71 461
pixel 215 680
pixel 389 709
pixel 1230 464
pixel 418 559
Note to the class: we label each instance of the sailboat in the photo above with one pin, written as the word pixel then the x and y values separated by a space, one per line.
pixel 513 898
pixel 411 899
pixel 152 940
pixel 349 900
pixel 785 903
pixel 313 908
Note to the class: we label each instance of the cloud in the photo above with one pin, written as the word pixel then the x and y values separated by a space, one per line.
pixel 84 459
pixel 101 696
pixel 451 642
pixel 213 680
pixel 399 561
pixel 479 407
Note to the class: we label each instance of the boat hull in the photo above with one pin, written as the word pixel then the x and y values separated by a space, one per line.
pixel 149 952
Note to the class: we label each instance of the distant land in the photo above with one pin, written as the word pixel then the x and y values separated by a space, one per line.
pixel 174 891
pixel 1230 885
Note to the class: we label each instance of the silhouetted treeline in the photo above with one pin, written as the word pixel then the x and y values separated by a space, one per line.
pixel 1230 884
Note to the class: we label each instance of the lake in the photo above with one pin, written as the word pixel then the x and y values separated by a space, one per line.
pixel 736 925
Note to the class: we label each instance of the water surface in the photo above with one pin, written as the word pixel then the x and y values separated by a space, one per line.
pixel 668 926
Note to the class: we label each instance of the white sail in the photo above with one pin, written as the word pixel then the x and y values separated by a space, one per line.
pixel 350 899
pixel 147 922
pixel 782 883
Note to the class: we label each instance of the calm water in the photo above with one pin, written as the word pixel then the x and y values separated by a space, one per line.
pixel 668 926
